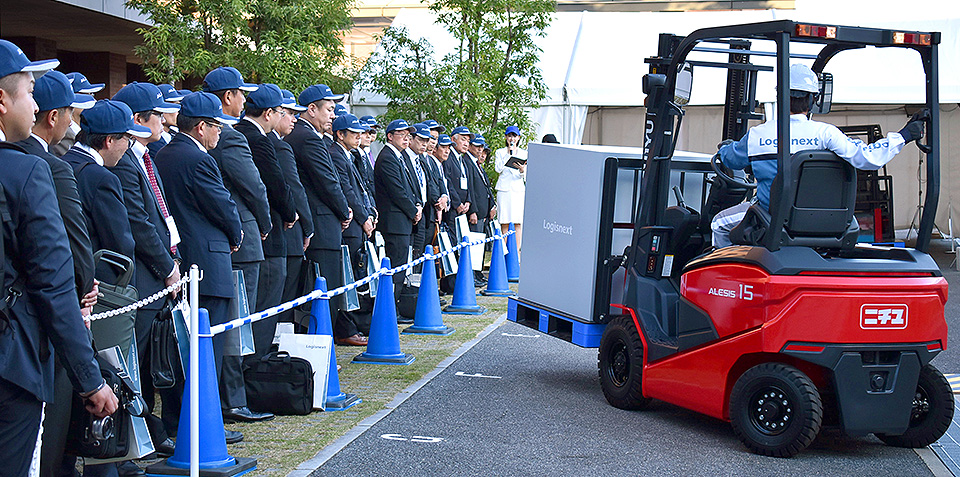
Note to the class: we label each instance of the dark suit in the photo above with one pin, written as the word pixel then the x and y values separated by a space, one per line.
pixel 273 269
pixel 208 222
pixel 102 198
pixel 483 199
pixel 153 264
pixel 455 168
pixel 57 414
pixel 436 188
pixel 397 200
pixel 327 202
pixel 71 210
pixel 37 262
pixel 346 323
pixel 303 228
pixel 365 169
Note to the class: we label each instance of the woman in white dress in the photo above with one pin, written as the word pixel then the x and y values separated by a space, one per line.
pixel 511 186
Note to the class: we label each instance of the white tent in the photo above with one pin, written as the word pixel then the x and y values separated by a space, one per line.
pixel 596 58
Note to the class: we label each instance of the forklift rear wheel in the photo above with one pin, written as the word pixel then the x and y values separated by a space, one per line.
pixel 931 413
pixel 775 410
pixel 621 364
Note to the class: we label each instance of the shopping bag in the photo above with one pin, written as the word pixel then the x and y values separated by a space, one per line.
pixel 138 440
pixel 448 262
pixel 373 260
pixel 239 341
pixel 350 298
pixel 476 251
pixel 462 226
pixel 181 325
pixel 316 349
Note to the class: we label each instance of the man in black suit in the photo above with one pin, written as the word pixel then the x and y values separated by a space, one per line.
pixel 102 141
pixel 437 180
pixel 426 188
pixel 331 214
pixel 262 114
pixel 398 196
pixel 484 206
pixel 458 177
pixel 297 238
pixel 155 237
pixel 37 269
pixel 242 178
pixel 346 130
pixel 208 222
pixel 361 156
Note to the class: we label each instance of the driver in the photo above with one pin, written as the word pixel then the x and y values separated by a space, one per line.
pixel 758 148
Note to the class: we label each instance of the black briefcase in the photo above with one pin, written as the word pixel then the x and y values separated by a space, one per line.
pixel 279 383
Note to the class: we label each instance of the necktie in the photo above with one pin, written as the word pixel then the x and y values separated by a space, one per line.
pixel 155 187
pixel 369 157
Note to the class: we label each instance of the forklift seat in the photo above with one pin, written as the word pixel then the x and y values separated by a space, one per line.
pixel 822 194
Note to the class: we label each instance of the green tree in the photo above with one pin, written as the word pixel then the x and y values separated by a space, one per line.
pixel 486 83
pixel 293 43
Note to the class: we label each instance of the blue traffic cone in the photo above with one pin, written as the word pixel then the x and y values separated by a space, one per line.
pixel 321 324
pixel 464 293
pixel 214 459
pixel 497 281
pixel 427 320
pixel 513 257
pixel 383 345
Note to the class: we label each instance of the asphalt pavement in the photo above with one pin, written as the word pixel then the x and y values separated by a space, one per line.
pixel 520 403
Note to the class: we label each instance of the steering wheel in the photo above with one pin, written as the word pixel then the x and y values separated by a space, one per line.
pixel 723 172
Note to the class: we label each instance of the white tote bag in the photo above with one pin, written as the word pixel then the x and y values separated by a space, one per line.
pixel 316 349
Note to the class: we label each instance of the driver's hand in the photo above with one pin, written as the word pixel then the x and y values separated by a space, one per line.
pixel 724 143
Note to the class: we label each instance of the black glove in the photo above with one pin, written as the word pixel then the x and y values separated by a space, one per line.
pixel 912 131
pixel 724 143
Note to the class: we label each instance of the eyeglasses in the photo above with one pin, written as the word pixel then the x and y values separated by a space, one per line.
pixel 214 125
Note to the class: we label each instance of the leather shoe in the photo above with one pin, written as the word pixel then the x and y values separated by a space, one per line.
pixel 166 448
pixel 403 320
pixel 232 436
pixel 355 340
pixel 129 469
pixel 244 414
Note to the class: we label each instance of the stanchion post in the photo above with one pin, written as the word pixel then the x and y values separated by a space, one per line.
pixel 194 371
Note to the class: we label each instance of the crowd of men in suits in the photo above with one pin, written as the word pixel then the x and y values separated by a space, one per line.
pixel 236 177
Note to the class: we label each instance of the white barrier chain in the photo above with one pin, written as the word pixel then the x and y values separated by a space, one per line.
pixel 139 304
pixel 321 295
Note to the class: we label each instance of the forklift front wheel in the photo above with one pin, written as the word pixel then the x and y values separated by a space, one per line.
pixel 775 410
pixel 931 413
pixel 620 363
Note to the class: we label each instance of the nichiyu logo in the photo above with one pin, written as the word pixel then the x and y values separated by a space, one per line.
pixel 883 317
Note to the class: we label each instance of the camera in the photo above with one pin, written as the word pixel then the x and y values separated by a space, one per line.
pixel 100 429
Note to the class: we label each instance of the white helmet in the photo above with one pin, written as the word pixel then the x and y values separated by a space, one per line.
pixel 802 78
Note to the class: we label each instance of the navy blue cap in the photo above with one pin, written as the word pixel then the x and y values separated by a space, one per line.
pixel 316 93
pixel 290 101
pixel 144 97
pixel 184 92
pixel 422 130
pixel 444 140
pixel 82 85
pixel 170 93
pixel 53 91
pixel 266 96
pixel 111 117
pixel 434 125
pixel 460 130
pixel 398 124
pixel 348 122
pixel 226 77
pixel 369 121
pixel 512 129
pixel 12 60
pixel 340 110
pixel 205 105
pixel 478 141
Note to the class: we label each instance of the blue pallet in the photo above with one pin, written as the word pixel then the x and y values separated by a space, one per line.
pixel 586 335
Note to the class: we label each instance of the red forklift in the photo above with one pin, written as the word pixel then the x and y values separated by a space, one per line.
pixel 798 326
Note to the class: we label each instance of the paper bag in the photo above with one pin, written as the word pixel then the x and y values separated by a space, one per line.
pixel 316 349
pixel 476 251
pixel 239 341
pixel 350 298
pixel 373 264
pixel 448 262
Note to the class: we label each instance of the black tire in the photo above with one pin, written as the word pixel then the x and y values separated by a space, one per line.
pixel 931 414
pixel 775 410
pixel 620 364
